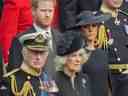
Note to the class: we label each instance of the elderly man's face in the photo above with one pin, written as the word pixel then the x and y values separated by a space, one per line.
pixel 114 3
pixel 74 61
pixel 35 59
pixel 90 31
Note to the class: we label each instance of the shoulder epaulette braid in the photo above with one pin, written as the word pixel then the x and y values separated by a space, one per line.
pixel 11 72
pixel 26 89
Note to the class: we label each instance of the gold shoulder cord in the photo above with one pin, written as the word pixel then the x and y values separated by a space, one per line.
pixel 26 89
pixel 102 37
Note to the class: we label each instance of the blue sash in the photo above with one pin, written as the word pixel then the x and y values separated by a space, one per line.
pixel 44 77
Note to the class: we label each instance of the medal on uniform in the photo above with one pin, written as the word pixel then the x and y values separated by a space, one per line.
pixel 83 82
pixel 111 40
pixel 126 29
pixel 117 21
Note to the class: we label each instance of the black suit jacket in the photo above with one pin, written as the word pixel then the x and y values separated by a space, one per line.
pixel 15 55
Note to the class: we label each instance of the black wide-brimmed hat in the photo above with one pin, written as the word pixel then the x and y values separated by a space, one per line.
pixel 89 17
pixel 70 43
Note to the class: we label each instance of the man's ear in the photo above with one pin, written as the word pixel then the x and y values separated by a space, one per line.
pixel 23 51
pixel 33 12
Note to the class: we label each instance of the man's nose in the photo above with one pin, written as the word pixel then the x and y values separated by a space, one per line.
pixel 38 56
pixel 47 13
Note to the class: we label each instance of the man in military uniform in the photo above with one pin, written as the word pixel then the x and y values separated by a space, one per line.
pixel 118 50
pixel 42 18
pixel 28 80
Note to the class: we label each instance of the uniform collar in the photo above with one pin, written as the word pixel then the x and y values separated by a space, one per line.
pixel 30 70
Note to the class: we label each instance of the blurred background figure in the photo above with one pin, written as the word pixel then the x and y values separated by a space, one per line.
pixel 125 5
pixel 16 17
pixel 1 7
pixel 55 22
pixel 70 8
pixel 1 66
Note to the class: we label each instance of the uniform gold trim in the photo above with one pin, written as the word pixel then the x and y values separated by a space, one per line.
pixel 11 72
pixel 118 66
pixel 102 37
pixel 26 89
pixel 30 70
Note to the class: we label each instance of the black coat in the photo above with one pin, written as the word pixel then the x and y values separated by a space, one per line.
pixel 70 8
pixel 81 85
pixel 97 70
pixel 15 55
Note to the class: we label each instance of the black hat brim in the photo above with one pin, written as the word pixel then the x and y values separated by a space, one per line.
pixel 95 20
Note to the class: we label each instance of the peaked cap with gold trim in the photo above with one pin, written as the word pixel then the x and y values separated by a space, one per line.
pixel 34 41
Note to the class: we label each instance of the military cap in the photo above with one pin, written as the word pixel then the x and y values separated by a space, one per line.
pixel 34 41
pixel 70 43
pixel 91 17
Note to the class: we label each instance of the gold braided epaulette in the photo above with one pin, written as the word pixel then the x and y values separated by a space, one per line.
pixel 26 89
pixel 11 72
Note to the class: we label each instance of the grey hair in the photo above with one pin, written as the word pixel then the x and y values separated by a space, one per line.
pixel 84 55
pixel 61 60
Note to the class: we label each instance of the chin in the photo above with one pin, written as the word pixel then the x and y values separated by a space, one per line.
pixel 46 24
pixel 116 6
pixel 37 68
pixel 77 70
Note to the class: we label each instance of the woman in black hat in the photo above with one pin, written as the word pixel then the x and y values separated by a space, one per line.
pixel 92 28
pixel 94 34
pixel 71 55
